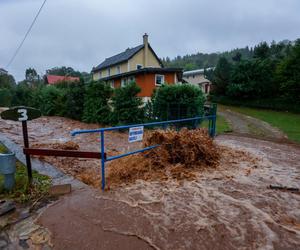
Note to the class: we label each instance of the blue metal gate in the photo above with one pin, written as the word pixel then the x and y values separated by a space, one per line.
pixel 196 120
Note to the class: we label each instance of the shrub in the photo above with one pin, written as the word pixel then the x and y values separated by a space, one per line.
pixel 36 97
pixel 74 99
pixel 21 95
pixel 7 81
pixel 53 102
pixel 177 101
pixel 96 103
pixel 5 97
pixel 127 107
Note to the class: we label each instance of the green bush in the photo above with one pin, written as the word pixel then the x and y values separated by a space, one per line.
pixel 127 107
pixel 177 101
pixel 74 99
pixel 7 81
pixel 21 95
pixel 5 97
pixel 36 97
pixel 53 101
pixel 96 103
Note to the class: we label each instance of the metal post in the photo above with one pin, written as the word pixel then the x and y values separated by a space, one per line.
pixel 26 145
pixel 102 160
pixel 214 119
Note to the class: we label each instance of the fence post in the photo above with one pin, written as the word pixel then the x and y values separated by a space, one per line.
pixel 102 161
pixel 214 119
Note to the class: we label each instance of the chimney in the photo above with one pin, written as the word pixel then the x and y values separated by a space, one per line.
pixel 146 50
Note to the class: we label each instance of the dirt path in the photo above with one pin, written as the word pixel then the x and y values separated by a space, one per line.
pixel 243 124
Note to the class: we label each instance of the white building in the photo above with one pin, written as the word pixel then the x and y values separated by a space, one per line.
pixel 197 77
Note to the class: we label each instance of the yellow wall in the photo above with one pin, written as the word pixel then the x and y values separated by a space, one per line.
pixel 138 59
pixel 129 65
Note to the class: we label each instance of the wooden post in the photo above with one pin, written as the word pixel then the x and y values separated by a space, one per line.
pixel 26 145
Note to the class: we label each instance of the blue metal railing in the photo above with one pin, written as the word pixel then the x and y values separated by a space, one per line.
pixel 211 130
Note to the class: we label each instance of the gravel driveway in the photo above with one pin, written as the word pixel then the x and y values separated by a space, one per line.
pixel 246 125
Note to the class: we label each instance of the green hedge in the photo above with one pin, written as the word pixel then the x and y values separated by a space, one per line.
pixel 5 97
pixel 177 101
pixel 97 102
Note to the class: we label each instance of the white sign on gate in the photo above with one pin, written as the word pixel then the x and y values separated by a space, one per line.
pixel 136 134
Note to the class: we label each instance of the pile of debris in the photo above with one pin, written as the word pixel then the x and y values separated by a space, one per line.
pixel 181 155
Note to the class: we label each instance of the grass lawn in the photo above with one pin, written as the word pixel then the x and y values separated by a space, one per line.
pixel 289 123
pixel 22 192
pixel 222 125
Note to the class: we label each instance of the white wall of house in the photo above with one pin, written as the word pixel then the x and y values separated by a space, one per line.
pixel 199 80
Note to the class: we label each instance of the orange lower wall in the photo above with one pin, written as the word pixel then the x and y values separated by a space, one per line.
pixel 147 82
pixel 117 83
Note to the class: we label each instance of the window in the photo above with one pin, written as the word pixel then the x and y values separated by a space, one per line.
pixel 100 74
pixel 118 70
pixel 139 66
pixel 108 72
pixel 159 80
pixel 111 83
pixel 206 88
pixel 124 82
pixel 131 79
pixel 127 80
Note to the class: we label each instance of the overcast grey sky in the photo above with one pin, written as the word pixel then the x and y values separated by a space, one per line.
pixel 82 33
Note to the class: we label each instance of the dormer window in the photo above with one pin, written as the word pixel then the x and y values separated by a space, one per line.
pixel 139 66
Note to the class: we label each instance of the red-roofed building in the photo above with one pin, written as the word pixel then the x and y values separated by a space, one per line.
pixel 52 79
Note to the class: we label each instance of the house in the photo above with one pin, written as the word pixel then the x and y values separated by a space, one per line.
pixel 53 79
pixel 139 64
pixel 197 77
pixel 3 71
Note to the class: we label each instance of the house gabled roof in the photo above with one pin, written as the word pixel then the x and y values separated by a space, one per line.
pixel 123 57
pixel 53 79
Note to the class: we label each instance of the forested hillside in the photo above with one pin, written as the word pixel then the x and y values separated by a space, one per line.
pixel 265 76
pixel 205 60
pixel 269 79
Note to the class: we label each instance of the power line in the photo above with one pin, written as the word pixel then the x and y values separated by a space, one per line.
pixel 27 33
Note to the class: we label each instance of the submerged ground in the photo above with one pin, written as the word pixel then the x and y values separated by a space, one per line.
pixel 230 207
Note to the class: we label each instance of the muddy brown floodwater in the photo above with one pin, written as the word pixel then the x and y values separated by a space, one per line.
pixel 228 207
